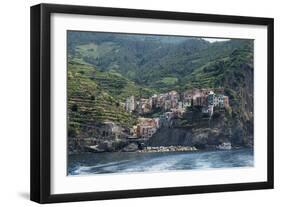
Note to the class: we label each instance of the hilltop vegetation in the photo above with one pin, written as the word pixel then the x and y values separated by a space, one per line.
pixel 152 61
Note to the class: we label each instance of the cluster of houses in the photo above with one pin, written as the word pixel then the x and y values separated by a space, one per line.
pixel 145 128
pixel 111 130
pixel 205 98
pixel 173 105
pixel 166 101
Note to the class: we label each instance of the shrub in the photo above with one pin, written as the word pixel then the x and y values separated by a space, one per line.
pixel 74 107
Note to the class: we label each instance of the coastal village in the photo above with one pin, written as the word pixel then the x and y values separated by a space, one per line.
pixel 169 106
pixel 173 105
pixel 155 115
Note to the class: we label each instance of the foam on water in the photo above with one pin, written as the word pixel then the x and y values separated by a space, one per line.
pixel 82 170
pixel 155 162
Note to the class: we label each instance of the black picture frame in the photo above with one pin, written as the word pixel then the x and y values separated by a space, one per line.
pixel 41 98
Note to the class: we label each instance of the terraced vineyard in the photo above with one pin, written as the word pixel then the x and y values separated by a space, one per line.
pixel 90 99
pixel 118 86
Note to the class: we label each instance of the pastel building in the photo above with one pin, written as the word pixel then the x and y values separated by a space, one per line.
pixel 130 104
pixel 173 95
pixel 220 98
pixel 226 101
pixel 211 98
pixel 168 105
pixel 147 127
pixel 110 129
pixel 216 100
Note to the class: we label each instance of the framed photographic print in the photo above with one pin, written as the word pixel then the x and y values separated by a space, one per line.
pixel 133 103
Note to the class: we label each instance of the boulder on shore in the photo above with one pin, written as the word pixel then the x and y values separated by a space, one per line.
pixel 132 147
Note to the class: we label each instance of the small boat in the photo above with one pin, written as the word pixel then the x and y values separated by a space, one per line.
pixel 225 146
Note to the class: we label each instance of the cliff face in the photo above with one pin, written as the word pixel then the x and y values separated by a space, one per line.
pixel 201 138
pixel 240 85
pixel 207 134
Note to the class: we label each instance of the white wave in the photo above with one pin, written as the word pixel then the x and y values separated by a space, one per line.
pixel 155 165
pixel 168 162
pixel 81 170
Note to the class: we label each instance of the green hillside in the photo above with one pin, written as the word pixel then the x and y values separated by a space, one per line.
pixel 90 102
pixel 159 62
pixel 106 68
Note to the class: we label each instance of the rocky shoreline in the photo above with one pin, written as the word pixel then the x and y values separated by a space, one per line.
pixel 168 149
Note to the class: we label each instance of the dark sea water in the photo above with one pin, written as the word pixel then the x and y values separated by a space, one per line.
pixel 124 162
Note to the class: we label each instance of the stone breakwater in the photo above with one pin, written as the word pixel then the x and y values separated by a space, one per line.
pixel 168 149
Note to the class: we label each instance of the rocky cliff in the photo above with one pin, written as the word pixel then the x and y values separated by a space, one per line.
pixel 206 134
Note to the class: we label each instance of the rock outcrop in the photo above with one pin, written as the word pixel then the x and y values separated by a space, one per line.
pixel 221 129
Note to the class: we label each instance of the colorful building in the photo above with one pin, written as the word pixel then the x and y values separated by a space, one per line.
pixel 130 104
pixel 211 97
pixel 226 101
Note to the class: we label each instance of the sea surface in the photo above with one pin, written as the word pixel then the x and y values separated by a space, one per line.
pixel 126 162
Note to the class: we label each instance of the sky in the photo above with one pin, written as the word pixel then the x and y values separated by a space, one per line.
pixel 215 39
